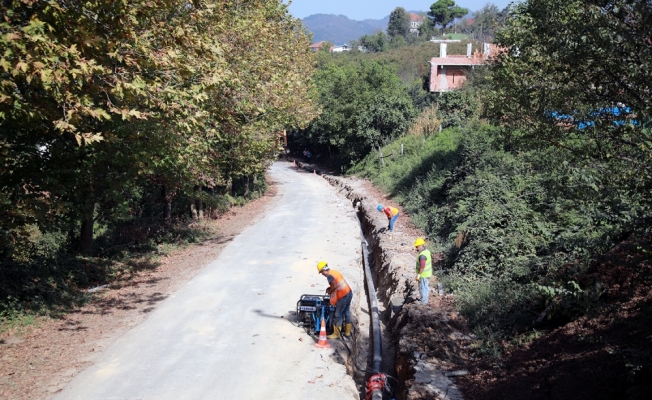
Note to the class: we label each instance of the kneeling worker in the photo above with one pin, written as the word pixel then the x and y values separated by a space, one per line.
pixel 341 295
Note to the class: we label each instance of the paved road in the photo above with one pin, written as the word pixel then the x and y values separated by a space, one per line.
pixel 227 333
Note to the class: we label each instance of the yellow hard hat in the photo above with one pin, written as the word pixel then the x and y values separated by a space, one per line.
pixel 419 242
pixel 321 265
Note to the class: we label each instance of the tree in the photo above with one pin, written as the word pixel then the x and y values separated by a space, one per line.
pixel 443 12
pixel 326 47
pixel 487 21
pixel 375 43
pixel 427 30
pixel 98 97
pixel 576 75
pixel 399 23
pixel 363 106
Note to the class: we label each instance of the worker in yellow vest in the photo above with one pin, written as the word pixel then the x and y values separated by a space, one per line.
pixel 423 269
pixel 392 215
pixel 341 295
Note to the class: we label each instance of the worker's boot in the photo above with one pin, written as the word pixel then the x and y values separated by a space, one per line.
pixel 336 333
pixel 347 330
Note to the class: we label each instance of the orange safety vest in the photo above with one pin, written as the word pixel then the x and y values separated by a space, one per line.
pixel 341 287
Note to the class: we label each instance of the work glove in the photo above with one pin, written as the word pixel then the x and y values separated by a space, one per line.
pixel 418 277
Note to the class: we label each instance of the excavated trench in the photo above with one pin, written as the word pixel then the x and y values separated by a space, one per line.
pixel 422 347
pixel 391 286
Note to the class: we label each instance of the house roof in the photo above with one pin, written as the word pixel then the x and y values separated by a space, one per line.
pixel 317 45
pixel 414 17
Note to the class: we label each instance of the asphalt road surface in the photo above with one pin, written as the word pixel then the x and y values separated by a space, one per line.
pixel 229 333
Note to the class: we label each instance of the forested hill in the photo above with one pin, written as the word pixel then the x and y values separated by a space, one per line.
pixel 339 29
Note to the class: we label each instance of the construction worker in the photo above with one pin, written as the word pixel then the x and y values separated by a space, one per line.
pixel 391 213
pixel 423 268
pixel 341 295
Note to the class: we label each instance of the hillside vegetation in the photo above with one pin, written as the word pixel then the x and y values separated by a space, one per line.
pixel 540 175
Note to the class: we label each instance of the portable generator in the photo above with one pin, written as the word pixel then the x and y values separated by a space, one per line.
pixel 311 308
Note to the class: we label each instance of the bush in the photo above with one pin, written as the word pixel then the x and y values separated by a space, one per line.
pixel 516 238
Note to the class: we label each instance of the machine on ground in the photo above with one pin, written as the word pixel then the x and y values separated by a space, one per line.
pixel 310 310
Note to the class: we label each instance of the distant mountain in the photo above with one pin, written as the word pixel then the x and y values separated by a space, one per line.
pixel 338 29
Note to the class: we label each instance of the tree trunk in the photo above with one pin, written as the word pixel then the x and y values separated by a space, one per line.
pixel 229 186
pixel 246 187
pixel 168 204
pixel 200 208
pixel 193 209
pixel 86 242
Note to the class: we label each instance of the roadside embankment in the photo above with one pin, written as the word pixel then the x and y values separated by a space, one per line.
pixel 424 346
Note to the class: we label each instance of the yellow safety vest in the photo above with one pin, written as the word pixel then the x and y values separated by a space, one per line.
pixel 427 271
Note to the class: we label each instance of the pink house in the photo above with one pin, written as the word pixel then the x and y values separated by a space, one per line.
pixel 448 72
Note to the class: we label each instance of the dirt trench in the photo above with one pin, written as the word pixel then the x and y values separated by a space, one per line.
pixel 424 346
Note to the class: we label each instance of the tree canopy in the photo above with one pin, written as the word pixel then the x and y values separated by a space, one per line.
pixel 101 98
pixel 585 89
pixel 399 23
pixel 443 12
pixel 364 105
pixel 374 43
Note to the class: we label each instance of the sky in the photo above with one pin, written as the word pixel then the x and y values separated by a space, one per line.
pixel 374 9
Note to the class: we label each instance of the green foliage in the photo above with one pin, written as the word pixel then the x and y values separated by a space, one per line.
pixel 326 47
pixel 120 115
pixel 399 23
pixel 363 106
pixel 397 42
pixel 521 203
pixel 512 230
pixel 375 43
pixel 443 12
pixel 455 107
pixel 427 30
pixel 411 63
pixel 596 62
pixel 488 21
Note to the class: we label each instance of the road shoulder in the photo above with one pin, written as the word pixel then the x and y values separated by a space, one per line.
pixel 40 359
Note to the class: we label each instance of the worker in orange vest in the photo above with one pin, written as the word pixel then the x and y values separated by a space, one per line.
pixel 341 295
pixel 391 213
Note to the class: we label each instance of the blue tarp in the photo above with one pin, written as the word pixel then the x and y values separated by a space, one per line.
pixel 598 114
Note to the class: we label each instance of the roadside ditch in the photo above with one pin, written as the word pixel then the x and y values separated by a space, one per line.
pixel 424 346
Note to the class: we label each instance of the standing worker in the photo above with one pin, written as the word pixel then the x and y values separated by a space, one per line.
pixel 391 213
pixel 423 269
pixel 341 295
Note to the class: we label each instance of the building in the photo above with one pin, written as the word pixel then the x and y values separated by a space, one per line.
pixel 415 23
pixel 448 72
pixel 339 49
pixel 317 46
